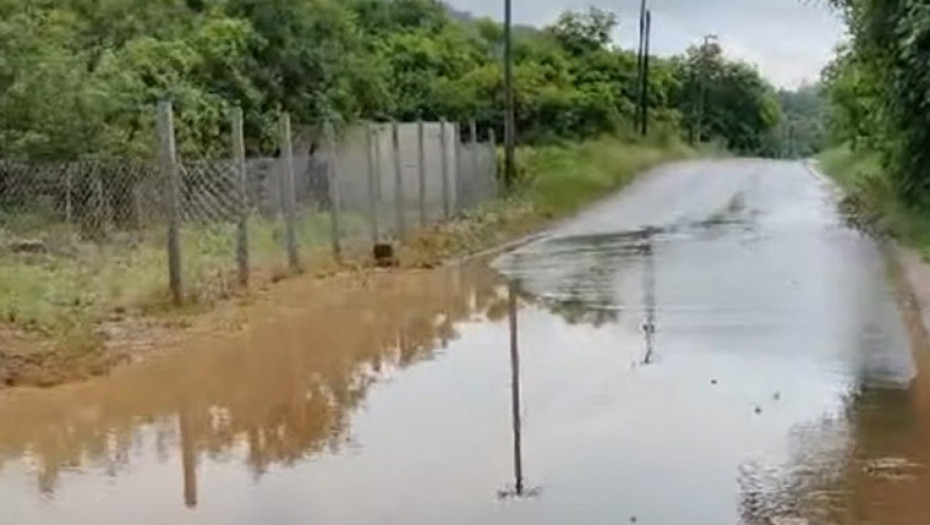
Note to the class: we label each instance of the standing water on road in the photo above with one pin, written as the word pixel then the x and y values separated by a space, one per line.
pixel 713 345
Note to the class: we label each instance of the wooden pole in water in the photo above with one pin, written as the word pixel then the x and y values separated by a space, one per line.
pixel 188 458
pixel 515 391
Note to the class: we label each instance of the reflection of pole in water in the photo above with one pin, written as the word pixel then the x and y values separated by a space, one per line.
pixel 188 459
pixel 515 391
pixel 649 300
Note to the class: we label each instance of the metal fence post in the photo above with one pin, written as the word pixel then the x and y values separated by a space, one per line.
pixel 372 196
pixel 242 225
pixel 99 211
pixel 290 203
pixel 68 204
pixel 398 183
pixel 137 206
pixel 332 172
pixel 169 166
pixel 421 171
pixel 445 168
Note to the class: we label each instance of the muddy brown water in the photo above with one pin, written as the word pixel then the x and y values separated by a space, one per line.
pixel 713 345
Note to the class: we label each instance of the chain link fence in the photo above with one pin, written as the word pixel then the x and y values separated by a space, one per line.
pixel 194 225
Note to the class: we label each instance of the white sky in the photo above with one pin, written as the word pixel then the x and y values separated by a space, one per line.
pixel 789 40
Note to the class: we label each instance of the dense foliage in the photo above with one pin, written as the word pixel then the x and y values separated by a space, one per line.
pixel 802 131
pixel 879 89
pixel 726 100
pixel 80 77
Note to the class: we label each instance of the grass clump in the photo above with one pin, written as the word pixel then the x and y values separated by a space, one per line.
pixel 871 201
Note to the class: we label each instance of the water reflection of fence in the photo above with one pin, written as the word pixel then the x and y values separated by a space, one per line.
pixel 275 408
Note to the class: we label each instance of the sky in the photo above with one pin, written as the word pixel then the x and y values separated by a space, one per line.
pixel 789 40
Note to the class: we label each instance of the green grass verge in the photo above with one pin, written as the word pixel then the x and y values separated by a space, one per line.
pixel 559 179
pixel 60 296
pixel 871 198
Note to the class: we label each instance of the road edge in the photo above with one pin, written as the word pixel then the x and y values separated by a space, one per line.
pixel 908 270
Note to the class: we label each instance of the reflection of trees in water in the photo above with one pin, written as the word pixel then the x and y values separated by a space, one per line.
pixel 287 394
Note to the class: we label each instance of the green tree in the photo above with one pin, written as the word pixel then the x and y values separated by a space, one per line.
pixel 724 100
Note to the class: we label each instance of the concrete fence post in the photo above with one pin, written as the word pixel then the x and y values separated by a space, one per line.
pixel 372 195
pixel 289 197
pixel 379 164
pixel 476 175
pixel 332 174
pixel 169 165
pixel 457 186
pixel 444 140
pixel 421 171
pixel 242 223
pixel 398 183
pixel 495 184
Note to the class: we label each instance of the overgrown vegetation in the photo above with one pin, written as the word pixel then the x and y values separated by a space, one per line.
pixel 879 89
pixel 871 200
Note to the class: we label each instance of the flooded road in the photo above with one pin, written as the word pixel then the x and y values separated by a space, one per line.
pixel 711 346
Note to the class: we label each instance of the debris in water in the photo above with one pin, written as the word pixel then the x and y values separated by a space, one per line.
pixel 776 396
pixel 633 519
pixel 713 381
pixel 758 410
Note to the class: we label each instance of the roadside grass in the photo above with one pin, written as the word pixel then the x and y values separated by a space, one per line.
pixel 870 200
pixel 58 297
pixel 554 180
pixel 559 179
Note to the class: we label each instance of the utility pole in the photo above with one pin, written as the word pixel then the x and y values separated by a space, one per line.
pixel 639 63
pixel 509 118
pixel 702 99
pixel 644 103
